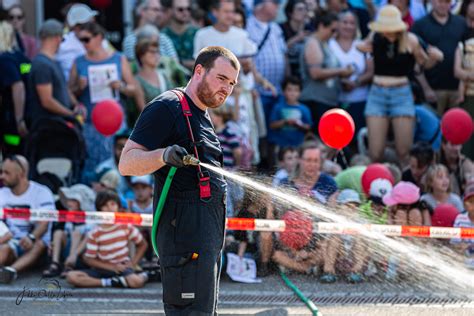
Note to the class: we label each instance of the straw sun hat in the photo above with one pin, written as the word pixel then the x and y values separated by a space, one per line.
pixel 389 19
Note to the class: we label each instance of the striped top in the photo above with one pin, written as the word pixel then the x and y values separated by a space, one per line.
pixel 110 244
pixel 229 141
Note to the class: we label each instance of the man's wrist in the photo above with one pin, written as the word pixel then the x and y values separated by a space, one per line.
pixel 32 237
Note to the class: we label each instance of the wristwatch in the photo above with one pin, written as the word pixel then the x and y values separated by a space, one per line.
pixel 32 237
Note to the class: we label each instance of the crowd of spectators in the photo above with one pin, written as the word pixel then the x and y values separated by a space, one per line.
pixel 396 67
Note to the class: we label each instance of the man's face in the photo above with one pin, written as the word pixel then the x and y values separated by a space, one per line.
pixel 11 173
pixel 225 15
pixel 182 11
pixel 271 8
pixel 441 7
pixel 217 83
pixel 153 12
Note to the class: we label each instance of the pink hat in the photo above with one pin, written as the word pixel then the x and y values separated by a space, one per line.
pixel 402 193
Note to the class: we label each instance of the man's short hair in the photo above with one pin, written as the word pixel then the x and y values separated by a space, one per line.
pixel 216 4
pixel 208 55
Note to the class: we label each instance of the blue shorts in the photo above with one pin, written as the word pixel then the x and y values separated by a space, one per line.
pixel 390 101
pixel 14 244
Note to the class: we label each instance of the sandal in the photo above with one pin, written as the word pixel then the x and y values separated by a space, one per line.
pixel 354 277
pixel 53 270
pixel 328 278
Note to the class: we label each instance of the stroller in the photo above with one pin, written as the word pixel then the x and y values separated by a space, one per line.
pixel 56 151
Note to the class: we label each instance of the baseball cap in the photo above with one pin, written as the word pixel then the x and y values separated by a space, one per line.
pixel 81 193
pixel 50 28
pixel 348 196
pixel 469 191
pixel 146 179
pixel 110 179
pixel 444 215
pixel 402 193
pixel 80 14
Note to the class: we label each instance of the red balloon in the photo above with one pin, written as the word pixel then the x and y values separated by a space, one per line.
pixel 107 117
pixel 375 171
pixel 298 229
pixel 336 128
pixel 444 215
pixel 457 126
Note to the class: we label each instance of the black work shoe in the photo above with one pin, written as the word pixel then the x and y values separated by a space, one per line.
pixel 7 275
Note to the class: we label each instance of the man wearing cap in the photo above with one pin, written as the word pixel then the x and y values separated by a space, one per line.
pixel 49 93
pixel 30 239
pixel 71 47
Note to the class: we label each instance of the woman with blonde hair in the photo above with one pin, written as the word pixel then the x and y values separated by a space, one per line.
pixel 438 188
pixel 395 53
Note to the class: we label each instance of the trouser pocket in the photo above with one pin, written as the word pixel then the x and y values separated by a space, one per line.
pixel 179 279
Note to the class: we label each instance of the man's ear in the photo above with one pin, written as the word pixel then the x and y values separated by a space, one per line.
pixel 199 70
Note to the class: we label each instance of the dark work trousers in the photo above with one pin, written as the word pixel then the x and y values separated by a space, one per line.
pixel 190 226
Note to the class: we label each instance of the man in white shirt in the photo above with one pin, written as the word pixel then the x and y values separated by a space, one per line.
pixel 223 33
pixel 30 239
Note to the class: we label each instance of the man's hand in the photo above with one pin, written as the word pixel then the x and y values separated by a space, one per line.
pixel 122 266
pixel 173 156
pixel 26 243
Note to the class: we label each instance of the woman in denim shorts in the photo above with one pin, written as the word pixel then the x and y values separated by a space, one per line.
pixel 395 52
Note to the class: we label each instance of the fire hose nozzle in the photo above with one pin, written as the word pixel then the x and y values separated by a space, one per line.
pixel 190 160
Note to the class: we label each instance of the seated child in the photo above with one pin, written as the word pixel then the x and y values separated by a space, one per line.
pixel 288 160
pixel 466 246
pixel 107 252
pixel 68 237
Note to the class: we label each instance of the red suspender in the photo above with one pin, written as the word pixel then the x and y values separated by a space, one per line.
pixel 203 176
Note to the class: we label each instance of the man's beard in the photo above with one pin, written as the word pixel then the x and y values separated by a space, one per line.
pixel 207 97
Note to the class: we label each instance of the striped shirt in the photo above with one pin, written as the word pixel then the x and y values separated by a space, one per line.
pixel 463 220
pixel 229 141
pixel 110 244
pixel 166 46
pixel 270 60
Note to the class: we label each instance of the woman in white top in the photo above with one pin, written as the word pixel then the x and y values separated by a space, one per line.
pixel 355 88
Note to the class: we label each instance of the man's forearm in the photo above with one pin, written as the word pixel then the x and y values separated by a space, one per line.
pixel 52 105
pixel 138 162
pixel 40 229
pixel 18 94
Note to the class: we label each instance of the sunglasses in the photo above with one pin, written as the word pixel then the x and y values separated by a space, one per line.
pixel 85 40
pixel 16 17
pixel 183 9
pixel 16 160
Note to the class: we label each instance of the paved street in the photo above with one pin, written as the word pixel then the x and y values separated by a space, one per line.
pixel 30 295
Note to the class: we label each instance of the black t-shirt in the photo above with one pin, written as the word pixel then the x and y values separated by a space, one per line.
pixel 46 71
pixel 446 37
pixel 14 67
pixel 162 124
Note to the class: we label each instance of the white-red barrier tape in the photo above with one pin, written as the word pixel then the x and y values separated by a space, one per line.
pixel 239 223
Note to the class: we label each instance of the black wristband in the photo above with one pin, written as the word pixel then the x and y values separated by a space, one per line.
pixel 32 237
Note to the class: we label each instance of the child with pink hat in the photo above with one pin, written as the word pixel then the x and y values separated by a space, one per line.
pixel 403 204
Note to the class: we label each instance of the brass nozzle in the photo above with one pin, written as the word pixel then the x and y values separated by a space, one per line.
pixel 190 160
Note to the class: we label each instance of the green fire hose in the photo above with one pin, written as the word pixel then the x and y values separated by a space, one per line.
pixel 159 207
pixel 309 303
